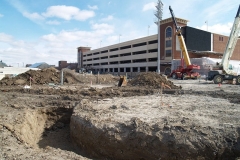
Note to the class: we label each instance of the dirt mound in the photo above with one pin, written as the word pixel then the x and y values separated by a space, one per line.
pixel 152 79
pixel 52 75
pixel 49 75
pixel 90 78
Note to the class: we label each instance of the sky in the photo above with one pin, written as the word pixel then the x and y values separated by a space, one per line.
pixel 51 30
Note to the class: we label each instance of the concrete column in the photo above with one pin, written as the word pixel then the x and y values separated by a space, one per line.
pixel 124 69
pixel 138 69
pixel 146 69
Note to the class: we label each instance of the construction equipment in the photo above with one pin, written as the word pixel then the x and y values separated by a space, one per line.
pixel 223 71
pixel 181 72
pixel 122 81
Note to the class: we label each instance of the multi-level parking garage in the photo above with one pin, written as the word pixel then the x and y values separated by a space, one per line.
pixel 128 57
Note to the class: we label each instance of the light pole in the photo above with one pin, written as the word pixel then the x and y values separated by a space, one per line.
pixel 158 14
pixel 119 37
pixel 148 29
pixel 206 24
pixel 100 43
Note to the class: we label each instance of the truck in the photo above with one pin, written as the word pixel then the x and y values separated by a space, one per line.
pixel 181 71
pixel 223 71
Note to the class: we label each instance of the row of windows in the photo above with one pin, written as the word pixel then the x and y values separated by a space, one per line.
pixel 168 53
pixel 127 69
pixel 126 54
pixel 128 61
pixel 121 48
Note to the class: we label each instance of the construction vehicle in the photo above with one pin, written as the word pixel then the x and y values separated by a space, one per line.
pixel 181 72
pixel 122 81
pixel 223 70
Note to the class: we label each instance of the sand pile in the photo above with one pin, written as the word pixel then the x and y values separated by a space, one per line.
pixel 151 79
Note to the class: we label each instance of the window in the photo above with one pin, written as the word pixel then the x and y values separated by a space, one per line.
pixel 168 32
pixel 220 38
pixel 169 53
pixel 168 43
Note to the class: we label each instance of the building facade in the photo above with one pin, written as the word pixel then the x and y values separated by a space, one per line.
pixel 140 55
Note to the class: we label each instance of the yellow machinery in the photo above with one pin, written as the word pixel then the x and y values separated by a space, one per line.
pixel 122 81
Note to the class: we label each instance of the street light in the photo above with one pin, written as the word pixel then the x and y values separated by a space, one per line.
pixel 148 29
pixel 119 37
pixel 158 14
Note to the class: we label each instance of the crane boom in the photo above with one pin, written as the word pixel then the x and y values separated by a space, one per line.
pixel 231 44
pixel 181 40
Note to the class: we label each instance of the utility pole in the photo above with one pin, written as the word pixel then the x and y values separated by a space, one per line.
pixel 158 14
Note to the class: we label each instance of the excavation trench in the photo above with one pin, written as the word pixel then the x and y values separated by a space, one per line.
pixel 43 127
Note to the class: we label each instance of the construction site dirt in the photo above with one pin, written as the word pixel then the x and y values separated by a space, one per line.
pixel 151 118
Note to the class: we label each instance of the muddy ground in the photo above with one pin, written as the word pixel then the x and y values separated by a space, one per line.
pixel 198 120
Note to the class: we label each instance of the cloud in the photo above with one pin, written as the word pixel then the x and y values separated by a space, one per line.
pixel 15 52
pixel 219 9
pixel 33 16
pixel 149 6
pixel 68 13
pixel 66 42
pixel 108 18
pixel 223 29
pixel 54 22
pixel 1 15
pixel 93 7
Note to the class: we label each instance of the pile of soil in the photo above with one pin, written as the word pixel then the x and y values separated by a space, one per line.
pixel 152 79
pixel 90 78
pixel 49 75
pixel 52 75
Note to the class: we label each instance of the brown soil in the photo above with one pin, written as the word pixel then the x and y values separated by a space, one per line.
pixel 52 75
pixel 80 121
pixel 153 80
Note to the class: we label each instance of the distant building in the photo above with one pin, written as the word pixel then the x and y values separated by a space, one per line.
pixel 64 64
pixel 2 64
pixel 141 55
pixel 41 65
pixel 27 65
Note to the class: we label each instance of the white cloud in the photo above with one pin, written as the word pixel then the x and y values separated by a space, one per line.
pixel 5 37
pixel 1 15
pixel 93 7
pixel 68 13
pixel 53 22
pixel 15 52
pixel 149 6
pixel 223 29
pixel 33 16
pixel 108 18
pixel 219 9
pixel 103 28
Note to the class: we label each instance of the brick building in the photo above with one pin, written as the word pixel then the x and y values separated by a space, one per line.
pixel 64 64
pixel 140 55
